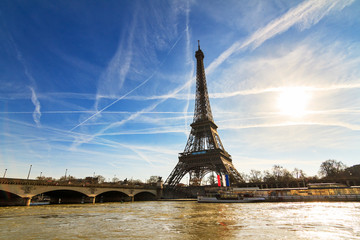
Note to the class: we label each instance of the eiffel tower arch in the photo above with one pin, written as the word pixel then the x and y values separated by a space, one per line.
pixel 204 151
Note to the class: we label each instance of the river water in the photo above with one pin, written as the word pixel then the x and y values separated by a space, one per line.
pixel 182 220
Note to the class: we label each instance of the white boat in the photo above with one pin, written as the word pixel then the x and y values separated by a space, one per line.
pixel 231 196
pixel 218 199
pixel 39 203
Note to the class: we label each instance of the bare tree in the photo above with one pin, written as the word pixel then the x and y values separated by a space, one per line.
pixel 244 177
pixel 135 182
pixel 67 178
pixel 331 168
pixel 153 179
pixel 268 177
pixel 298 173
pixel 255 176
pixel 280 173
pixel 211 180
pixel 48 179
pixel 100 179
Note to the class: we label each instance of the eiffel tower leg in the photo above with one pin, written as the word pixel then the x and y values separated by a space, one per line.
pixel 233 173
pixel 176 175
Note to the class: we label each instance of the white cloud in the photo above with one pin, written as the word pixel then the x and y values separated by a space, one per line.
pixel 36 114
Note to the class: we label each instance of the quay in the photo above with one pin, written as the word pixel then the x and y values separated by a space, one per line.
pixel 313 192
pixel 316 192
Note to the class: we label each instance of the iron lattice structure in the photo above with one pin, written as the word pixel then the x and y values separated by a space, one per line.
pixel 204 151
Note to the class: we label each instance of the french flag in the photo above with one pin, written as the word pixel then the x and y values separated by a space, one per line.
pixel 227 180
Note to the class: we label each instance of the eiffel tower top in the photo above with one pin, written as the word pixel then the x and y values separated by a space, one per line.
pixel 202 111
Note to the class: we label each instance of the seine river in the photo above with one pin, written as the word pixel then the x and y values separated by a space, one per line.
pixel 182 220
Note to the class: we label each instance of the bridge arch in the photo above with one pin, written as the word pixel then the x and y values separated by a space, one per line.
pixel 145 196
pixel 67 196
pixel 8 198
pixel 112 196
pixel 42 190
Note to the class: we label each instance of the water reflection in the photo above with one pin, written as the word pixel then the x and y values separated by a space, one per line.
pixel 183 220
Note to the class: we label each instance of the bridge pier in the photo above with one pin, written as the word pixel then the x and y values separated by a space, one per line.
pixel 92 199
pixel 159 189
pixel 27 201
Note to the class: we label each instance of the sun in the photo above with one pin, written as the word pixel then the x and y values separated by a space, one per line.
pixel 293 101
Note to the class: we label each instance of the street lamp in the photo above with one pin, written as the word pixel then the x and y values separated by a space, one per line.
pixel 29 172
pixel 5 173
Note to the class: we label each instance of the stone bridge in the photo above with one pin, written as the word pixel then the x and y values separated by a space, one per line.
pixel 21 192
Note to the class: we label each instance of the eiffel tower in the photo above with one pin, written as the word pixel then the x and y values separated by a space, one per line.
pixel 204 152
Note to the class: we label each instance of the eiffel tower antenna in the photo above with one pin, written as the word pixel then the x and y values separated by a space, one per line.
pixel 204 151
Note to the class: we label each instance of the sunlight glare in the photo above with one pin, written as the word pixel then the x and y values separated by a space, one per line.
pixel 293 101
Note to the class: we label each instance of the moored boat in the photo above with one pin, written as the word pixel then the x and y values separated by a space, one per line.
pixel 207 199
pixel 229 197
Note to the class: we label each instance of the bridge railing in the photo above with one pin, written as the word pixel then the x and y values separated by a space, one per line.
pixel 18 181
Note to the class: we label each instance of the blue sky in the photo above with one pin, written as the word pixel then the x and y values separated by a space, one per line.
pixel 108 86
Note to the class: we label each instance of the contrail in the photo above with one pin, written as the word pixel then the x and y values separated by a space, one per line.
pixel 133 116
pixel 305 15
pixel 286 124
pixel 253 91
pixel 131 91
pixel 279 89
pixel 120 98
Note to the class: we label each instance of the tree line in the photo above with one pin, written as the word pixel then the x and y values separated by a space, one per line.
pixel 98 179
pixel 330 170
